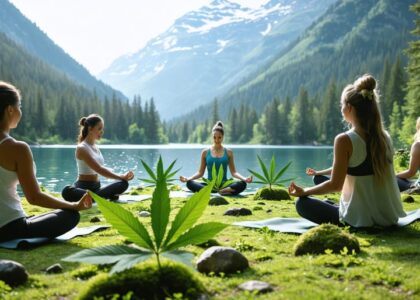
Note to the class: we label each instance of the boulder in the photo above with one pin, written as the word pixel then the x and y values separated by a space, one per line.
pixel 221 260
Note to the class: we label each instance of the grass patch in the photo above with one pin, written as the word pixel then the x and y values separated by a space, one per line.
pixel 388 266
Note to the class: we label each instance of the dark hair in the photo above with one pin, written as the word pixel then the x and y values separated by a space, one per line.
pixel 9 95
pixel 362 95
pixel 218 127
pixel 86 122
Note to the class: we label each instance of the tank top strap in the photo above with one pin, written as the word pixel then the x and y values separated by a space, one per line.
pixel 5 138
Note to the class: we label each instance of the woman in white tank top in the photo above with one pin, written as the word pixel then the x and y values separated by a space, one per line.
pixel 16 166
pixel 90 164
pixel 362 169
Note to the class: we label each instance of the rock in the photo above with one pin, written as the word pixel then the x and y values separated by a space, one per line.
pixel 261 203
pixel 260 287
pixel 12 273
pixel 269 210
pixel 238 212
pixel 215 201
pixel 95 219
pixel 54 269
pixel 144 214
pixel 257 208
pixel 221 260
pixel 323 237
pixel 407 199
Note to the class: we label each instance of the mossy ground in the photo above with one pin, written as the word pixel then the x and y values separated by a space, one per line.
pixel 388 266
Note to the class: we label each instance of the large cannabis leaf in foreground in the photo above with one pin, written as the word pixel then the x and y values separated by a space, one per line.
pixel 217 179
pixel 161 242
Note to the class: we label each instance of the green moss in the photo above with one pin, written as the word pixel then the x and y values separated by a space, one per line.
pixel 145 282
pixel 275 193
pixel 85 272
pixel 326 237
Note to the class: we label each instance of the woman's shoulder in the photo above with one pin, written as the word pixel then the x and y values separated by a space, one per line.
pixel 16 148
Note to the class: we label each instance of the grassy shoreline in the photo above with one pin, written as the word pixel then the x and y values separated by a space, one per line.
pixel 387 267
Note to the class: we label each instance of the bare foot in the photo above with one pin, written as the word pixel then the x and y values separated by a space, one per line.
pixel 226 191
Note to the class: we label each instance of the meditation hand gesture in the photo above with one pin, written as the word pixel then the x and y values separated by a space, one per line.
pixel 311 172
pixel 249 179
pixel 84 203
pixel 128 176
pixel 296 190
pixel 183 178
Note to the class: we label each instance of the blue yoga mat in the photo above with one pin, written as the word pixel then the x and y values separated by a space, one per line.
pixel 300 225
pixel 30 242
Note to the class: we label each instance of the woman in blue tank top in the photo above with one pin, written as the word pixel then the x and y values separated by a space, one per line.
pixel 220 157
pixel 404 182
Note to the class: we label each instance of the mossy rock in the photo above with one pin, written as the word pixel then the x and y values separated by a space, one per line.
pixel 275 193
pixel 323 237
pixel 145 281
pixel 215 201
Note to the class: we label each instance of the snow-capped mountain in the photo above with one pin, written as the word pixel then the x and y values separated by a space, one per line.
pixel 206 51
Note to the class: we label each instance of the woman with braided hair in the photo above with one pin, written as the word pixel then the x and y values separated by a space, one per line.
pixel 362 169
pixel 90 164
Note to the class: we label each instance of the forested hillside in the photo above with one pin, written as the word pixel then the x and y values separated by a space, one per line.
pixel 304 82
pixel 52 103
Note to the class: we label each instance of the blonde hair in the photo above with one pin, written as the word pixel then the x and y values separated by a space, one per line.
pixel 363 96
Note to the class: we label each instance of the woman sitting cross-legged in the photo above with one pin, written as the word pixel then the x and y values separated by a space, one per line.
pixel 17 166
pixel 404 182
pixel 90 164
pixel 362 168
pixel 220 156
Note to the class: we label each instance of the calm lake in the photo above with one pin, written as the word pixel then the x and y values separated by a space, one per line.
pixel 56 166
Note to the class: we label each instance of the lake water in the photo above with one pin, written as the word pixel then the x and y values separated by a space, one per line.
pixel 56 166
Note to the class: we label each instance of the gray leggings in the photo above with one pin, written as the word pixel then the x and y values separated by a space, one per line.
pixel 49 225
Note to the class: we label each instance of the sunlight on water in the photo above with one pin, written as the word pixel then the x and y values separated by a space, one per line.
pixel 56 166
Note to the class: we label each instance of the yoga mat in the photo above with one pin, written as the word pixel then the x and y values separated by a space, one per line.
pixel 132 198
pixel 30 242
pixel 300 225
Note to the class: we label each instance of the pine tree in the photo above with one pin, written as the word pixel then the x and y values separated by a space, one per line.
pixel 330 113
pixel 412 107
pixel 394 89
pixel 233 131
pixel 215 111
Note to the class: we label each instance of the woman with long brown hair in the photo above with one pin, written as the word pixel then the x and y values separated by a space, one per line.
pixel 362 168
pixel 17 167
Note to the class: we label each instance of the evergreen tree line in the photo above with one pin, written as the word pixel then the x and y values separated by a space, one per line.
pixel 53 104
pixel 307 119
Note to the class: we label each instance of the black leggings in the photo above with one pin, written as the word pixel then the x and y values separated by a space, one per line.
pixel 405 184
pixel 49 225
pixel 237 186
pixel 110 191
pixel 316 210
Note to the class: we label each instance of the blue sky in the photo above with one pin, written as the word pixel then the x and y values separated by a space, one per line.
pixel 95 32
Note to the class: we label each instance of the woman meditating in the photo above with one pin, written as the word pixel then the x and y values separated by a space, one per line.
pixel 362 168
pixel 90 164
pixel 404 182
pixel 17 166
pixel 220 156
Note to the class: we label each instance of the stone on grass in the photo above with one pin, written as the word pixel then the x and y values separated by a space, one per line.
pixel 54 269
pixel 407 199
pixel 95 219
pixel 275 193
pixel 145 281
pixel 12 273
pixel 238 212
pixel 144 214
pixel 324 237
pixel 215 201
pixel 259 287
pixel 221 260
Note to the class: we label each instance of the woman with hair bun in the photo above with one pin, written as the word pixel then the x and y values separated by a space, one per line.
pixel 220 156
pixel 404 182
pixel 362 168
pixel 17 166
pixel 90 164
